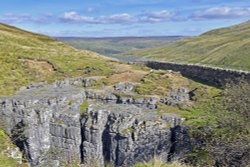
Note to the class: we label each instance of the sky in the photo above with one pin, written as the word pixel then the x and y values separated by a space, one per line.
pixel 108 18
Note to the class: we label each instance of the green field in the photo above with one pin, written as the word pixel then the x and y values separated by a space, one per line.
pixel 118 45
pixel 226 47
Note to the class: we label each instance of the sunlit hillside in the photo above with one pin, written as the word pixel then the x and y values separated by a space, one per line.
pixel 225 47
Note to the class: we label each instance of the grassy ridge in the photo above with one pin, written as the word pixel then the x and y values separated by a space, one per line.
pixel 27 57
pixel 226 47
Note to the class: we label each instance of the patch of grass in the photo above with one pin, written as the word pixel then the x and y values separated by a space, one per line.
pixel 153 84
pixel 83 107
pixel 5 146
pixel 128 130
pixel 163 108
pixel 200 112
pixel 198 116
pixel 70 102
pixel 160 82
pixel 158 163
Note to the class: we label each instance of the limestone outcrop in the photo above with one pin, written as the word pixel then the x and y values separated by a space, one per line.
pixel 49 124
pixel 41 118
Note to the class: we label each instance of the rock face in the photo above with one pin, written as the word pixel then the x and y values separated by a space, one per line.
pixel 177 96
pixel 41 119
pixel 123 134
pixel 147 102
pixel 124 87
pixel 49 125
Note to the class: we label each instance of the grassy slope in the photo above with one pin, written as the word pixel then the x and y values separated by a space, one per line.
pixel 226 47
pixel 17 45
pixel 118 45
pixel 16 70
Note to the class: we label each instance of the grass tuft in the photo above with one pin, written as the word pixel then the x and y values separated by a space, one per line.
pixel 159 163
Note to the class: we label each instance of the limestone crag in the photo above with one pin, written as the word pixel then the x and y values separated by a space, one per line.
pixel 124 134
pixel 124 87
pixel 148 102
pixel 49 125
pixel 176 96
pixel 40 119
pixel 79 82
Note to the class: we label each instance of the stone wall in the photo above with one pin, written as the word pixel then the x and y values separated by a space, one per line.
pixel 210 75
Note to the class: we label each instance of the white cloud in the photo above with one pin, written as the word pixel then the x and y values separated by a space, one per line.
pixel 222 13
pixel 118 18
pixel 75 17
pixel 158 16
pixel 126 18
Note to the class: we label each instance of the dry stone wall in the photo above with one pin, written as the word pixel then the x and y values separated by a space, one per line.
pixel 215 76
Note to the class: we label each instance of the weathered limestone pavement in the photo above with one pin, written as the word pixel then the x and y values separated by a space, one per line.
pixel 47 124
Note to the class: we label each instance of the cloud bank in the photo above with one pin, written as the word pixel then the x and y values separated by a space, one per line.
pixel 76 17
pixel 222 13
pixel 122 18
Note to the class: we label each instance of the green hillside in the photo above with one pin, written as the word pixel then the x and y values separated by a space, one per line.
pixel 27 57
pixel 225 47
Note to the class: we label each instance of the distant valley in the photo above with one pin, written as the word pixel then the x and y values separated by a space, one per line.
pixel 113 46
pixel 225 47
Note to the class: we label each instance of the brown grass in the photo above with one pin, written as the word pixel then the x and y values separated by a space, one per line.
pixel 42 68
pixel 127 73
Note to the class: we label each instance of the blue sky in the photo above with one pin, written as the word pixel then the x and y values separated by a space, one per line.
pixel 92 18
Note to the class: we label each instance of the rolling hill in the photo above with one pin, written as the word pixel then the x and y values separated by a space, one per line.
pixel 116 45
pixel 226 47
